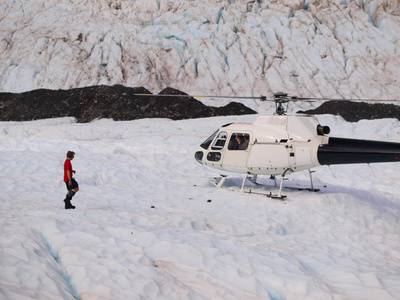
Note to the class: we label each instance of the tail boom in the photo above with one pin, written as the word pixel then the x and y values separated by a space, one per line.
pixel 353 151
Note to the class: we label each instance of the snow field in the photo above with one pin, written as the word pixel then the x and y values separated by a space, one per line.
pixel 342 242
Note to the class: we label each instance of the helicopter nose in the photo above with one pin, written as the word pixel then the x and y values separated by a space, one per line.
pixel 199 156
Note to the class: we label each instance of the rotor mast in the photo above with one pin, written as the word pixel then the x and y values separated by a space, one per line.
pixel 280 100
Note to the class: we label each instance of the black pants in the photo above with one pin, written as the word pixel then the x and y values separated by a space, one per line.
pixel 73 185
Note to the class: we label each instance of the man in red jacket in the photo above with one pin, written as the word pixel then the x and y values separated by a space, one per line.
pixel 72 185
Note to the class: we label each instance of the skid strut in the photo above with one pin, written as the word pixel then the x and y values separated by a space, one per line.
pixel 312 185
pixel 280 196
pixel 252 179
pixel 222 181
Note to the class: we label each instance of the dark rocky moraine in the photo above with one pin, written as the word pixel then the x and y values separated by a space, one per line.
pixel 117 102
pixel 356 111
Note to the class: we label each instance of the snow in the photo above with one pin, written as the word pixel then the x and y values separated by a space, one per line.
pixel 330 48
pixel 148 223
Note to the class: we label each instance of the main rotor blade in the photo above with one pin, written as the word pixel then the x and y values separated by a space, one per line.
pixel 294 98
pixel 263 98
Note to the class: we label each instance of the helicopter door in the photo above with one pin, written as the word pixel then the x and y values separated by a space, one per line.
pixel 268 158
pixel 300 158
pixel 235 158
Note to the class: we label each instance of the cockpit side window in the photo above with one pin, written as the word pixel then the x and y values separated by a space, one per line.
pixel 208 141
pixel 220 141
pixel 239 141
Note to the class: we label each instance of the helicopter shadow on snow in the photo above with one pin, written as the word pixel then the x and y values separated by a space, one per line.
pixel 300 187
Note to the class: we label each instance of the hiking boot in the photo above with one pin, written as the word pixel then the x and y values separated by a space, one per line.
pixel 68 204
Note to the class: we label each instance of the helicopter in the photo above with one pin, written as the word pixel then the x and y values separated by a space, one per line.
pixel 281 144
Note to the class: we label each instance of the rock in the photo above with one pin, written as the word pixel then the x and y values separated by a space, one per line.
pixel 117 102
pixel 356 111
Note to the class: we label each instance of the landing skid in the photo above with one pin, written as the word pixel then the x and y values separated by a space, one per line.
pixel 253 179
pixel 270 195
pixel 281 197
pixel 302 189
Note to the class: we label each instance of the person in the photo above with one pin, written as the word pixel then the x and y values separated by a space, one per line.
pixel 240 142
pixel 245 143
pixel 234 143
pixel 70 182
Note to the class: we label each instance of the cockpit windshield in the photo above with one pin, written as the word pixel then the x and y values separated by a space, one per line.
pixel 208 141
pixel 220 141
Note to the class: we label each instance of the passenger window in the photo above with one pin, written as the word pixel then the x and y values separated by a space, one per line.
pixel 239 141
pixel 220 141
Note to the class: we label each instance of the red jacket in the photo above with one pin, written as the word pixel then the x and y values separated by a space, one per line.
pixel 67 166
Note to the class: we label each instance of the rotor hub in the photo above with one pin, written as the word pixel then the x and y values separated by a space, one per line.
pixel 281 99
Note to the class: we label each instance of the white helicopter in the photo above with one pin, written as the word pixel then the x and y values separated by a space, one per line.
pixel 281 144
